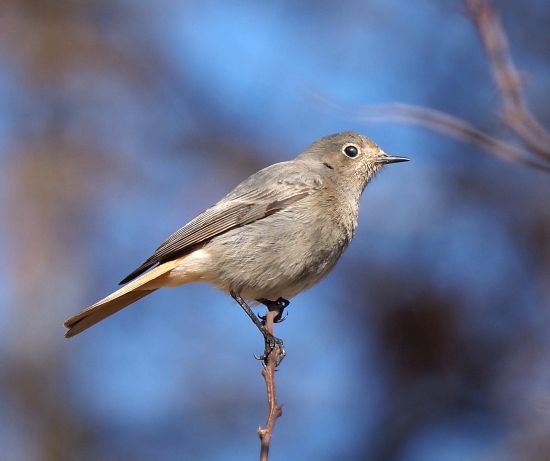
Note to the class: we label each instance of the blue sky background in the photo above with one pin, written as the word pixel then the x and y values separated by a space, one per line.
pixel 120 121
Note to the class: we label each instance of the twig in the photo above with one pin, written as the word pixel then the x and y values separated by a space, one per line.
pixel 533 148
pixel 507 78
pixel 452 126
pixel 274 409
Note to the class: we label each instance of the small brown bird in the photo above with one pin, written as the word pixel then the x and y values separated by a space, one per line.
pixel 276 234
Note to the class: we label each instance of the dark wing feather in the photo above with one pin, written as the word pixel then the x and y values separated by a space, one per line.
pixel 264 193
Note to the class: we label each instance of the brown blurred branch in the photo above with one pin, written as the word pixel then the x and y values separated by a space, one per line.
pixel 452 126
pixel 274 409
pixel 515 113
pixel 533 148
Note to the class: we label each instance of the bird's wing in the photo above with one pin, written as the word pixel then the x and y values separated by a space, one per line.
pixel 262 194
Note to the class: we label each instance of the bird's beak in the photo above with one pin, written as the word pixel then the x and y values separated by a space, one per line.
pixel 385 158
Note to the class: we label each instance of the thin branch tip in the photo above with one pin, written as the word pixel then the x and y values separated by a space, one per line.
pixel 268 372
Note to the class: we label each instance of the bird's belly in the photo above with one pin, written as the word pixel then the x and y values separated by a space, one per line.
pixel 274 291
pixel 271 262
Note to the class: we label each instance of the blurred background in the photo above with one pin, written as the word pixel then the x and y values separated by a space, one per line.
pixel 121 120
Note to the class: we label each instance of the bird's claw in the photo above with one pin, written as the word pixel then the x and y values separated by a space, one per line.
pixel 283 303
pixel 272 343
pixel 279 318
pixel 280 305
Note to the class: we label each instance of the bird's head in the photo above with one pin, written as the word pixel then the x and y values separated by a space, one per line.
pixel 349 155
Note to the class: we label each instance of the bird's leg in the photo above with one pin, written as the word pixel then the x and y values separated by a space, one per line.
pixel 280 305
pixel 271 342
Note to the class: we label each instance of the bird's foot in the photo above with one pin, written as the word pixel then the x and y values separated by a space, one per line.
pixel 279 318
pixel 280 305
pixel 272 343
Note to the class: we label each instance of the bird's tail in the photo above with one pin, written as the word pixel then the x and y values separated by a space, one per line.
pixel 136 289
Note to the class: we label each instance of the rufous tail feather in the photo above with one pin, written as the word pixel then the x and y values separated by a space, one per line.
pixel 117 300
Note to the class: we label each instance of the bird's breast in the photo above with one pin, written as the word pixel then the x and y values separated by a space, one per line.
pixel 282 254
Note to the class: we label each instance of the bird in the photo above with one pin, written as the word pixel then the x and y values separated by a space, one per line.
pixel 276 234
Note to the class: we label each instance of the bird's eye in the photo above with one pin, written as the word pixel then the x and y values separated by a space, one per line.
pixel 351 151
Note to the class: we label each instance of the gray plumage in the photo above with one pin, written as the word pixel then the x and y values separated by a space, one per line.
pixel 276 234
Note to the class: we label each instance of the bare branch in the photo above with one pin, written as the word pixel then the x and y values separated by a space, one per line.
pixel 533 146
pixel 274 409
pixel 452 126
pixel 440 122
pixel 515 113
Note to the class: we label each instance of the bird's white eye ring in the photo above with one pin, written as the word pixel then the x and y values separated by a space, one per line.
pixel 350 151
